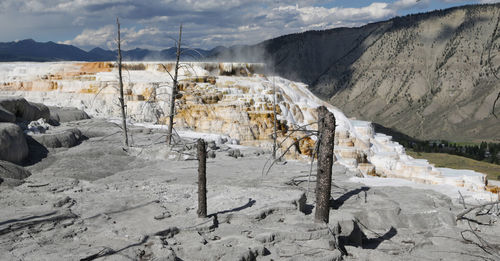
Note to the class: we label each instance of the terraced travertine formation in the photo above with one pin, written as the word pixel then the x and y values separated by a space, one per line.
pixel 227 98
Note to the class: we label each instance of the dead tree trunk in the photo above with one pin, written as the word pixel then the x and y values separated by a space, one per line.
pixel 202 179
pixel 326 128
pixel 275 133
pixel 174 89
pixel 122 101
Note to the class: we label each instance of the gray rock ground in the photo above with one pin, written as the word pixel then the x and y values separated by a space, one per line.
pixel 98 201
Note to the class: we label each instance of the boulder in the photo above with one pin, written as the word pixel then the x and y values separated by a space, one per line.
pixel 13 146
pixel 211 154
pixel 10 170
pixel 6 116
pixel 11 182
pixel 221 140
pixel 235 153
pixel 67 114
pixel 67 138
pixel 211 145
pixel 22 109
pixel 35 111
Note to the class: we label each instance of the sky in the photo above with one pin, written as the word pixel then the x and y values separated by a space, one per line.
pixel 206 23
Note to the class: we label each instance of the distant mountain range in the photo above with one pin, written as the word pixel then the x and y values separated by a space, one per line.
pixel 30 50
pixel 433 75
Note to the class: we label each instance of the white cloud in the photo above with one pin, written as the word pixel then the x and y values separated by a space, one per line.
pixel 102 37
pixel 105 37
pixel 225 23
pixel 374 11
pixel 464 1
pixel 489 1
pixel 406 4
pixel 208 23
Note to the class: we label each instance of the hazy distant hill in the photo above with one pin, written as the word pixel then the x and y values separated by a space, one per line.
pixel 427 75
pixel 30 50
pixel 103 55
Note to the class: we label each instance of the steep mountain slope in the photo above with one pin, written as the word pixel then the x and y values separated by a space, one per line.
pixel 428 75
pixel 432 79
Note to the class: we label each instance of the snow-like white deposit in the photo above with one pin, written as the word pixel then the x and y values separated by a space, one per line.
pixel 228 99
pixel 470 197
pixel 387 156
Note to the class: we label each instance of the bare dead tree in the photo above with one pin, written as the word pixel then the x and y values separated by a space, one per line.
pixel 275 132
pixel 462 214
pixel 122 100
pixel 202 179
pixel 480 242
pixel 175 94
pixel 174 89
pixel 326 128
pixel 475 236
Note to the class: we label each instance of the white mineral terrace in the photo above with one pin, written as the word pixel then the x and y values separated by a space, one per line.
pixel 229 99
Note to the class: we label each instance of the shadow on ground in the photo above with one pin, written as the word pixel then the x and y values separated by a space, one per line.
pixel 337 203
pixel 250 203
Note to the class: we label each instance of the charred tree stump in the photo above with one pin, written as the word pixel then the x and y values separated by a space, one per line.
pixel 326 128
pixel 202 179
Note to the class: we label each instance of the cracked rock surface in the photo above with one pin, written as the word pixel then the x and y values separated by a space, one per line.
pixel 99 201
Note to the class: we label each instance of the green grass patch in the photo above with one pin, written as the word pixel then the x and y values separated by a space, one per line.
pixel 443 160
pixel 465 143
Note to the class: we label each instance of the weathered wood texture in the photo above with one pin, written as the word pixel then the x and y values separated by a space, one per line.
pixel 326 128
pixel 202 179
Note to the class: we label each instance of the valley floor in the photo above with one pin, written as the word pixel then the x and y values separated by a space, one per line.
pixel 97 201
pixel 443 160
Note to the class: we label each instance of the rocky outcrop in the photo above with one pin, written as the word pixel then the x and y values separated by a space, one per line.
pixel 59 138
pixel 13 146
pixel 6 116
pixel 18 109
pixel 66 114
pixel 9 170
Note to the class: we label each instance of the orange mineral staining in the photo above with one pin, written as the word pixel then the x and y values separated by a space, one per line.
pixel 95 67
